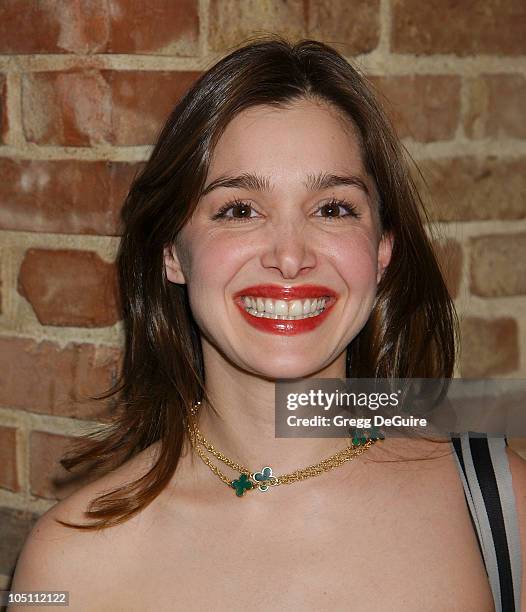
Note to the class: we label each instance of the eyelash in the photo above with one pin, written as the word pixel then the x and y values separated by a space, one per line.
pixel 350 208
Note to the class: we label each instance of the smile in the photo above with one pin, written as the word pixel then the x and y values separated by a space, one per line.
pixel 285 310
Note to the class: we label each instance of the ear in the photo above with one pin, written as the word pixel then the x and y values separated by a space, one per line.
pixel 385 249
pixel 174 272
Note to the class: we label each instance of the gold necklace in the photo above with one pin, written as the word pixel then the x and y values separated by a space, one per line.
pixel 264 479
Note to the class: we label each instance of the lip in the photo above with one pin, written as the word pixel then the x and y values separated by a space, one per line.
pixel 281 326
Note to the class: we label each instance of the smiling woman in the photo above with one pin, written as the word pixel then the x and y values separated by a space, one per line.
pixel 276 233
pixel 310 217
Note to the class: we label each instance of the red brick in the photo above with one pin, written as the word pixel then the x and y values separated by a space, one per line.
pixel 231 22
pixel 488 347
pixel 462 28
pixel 47 476
pixel 351 31
pixel 163 27
pixel 66 108
pixel 53 26
pixel 3 109
pixel 472 188
pixel 1 284
pixel 70 288
pixel 138 110
pixel 449 255
pixel 89 107
pixel 425 108
pixel 496 105
pixel 64 197
pixel 497 265
pixel 160 27
pixel 8 463
pixel 42 377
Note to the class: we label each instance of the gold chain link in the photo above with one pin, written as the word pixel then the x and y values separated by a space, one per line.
pixel 198 440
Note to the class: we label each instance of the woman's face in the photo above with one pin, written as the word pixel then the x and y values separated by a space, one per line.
pixel 293 232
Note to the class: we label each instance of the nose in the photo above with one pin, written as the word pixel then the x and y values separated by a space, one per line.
pixel 288 249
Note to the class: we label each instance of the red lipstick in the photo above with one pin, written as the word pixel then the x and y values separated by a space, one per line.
pixel 277 292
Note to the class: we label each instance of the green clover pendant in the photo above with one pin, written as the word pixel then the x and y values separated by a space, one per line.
pixel 244 484
pixel 360 436
pixel 263 476
pixel 241 485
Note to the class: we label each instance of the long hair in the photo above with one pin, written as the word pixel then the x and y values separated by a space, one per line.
pixel 412 330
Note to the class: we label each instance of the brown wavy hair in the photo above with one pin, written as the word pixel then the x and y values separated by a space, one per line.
pixel 412 330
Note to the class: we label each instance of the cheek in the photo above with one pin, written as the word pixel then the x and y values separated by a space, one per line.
pixel 356 260
pixel 212 266
pixel 214 262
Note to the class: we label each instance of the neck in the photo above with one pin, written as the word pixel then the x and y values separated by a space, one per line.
pixel 243 428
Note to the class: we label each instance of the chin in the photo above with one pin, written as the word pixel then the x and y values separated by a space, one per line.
pixel 286 370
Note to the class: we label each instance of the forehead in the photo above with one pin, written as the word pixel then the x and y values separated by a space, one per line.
pixel 304 136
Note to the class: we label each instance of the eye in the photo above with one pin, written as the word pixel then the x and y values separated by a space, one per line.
pixel 241 211
pixel 333 205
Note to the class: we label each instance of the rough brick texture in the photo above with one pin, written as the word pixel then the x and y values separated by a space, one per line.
pixel 449 255
pixel 3 110
pixel 489 347
pixel 231 21
pixel 91 107
pixel 496 105
pixel 474 188
pixel 71 108
pixel 64 197
pixel 160 27
pixel 142 102
pixel 461 28
pixel 42 377
pixel 8 462
pixel 48 478
pixel 66 287
pixel 424 108
pixel 352 29
pixel 497 265
pixel 15 525
pixel 328 20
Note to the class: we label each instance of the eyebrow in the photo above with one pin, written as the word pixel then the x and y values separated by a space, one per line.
pixel 314 182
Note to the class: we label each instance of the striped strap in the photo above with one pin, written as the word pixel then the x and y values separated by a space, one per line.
pixel 486 477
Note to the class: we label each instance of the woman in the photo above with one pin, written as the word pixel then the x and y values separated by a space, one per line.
pixel 277 179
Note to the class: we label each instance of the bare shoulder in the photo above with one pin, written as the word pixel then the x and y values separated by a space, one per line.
pixel 518 476
pixel 56 557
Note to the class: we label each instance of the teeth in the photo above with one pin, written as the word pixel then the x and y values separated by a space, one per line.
pixel 282 309
pixel 296 308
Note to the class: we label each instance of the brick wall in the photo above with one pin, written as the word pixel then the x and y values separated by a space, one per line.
pixel 84 88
